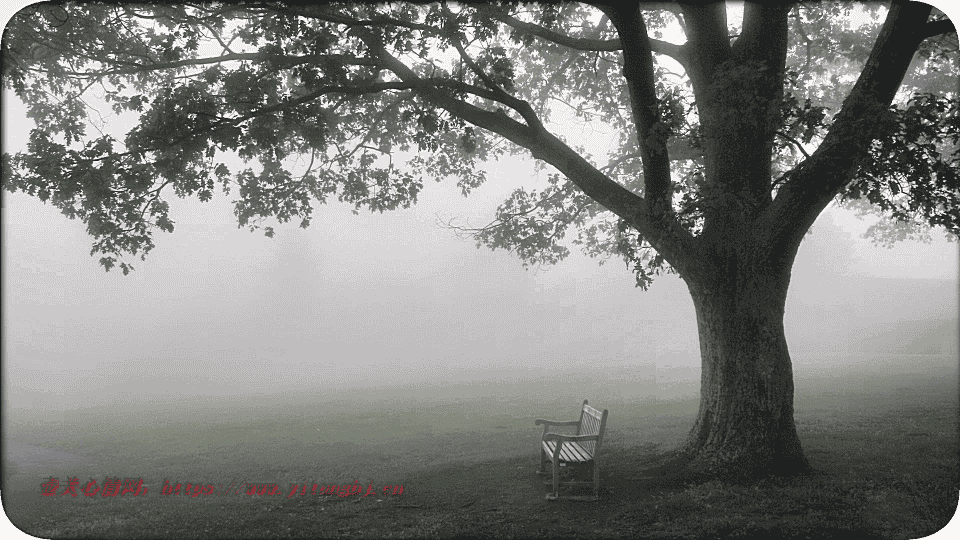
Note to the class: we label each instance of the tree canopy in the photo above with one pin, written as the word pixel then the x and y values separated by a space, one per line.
pixel 347 88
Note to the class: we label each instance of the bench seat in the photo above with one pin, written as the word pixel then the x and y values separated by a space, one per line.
pixel 570 451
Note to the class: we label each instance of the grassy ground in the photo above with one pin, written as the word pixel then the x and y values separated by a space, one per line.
pixel 885 453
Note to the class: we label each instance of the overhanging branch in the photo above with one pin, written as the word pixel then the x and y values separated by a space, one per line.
pixel 674 242
pixel 581 44
pixel 281 61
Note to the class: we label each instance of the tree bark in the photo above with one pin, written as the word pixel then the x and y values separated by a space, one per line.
pixel 745 426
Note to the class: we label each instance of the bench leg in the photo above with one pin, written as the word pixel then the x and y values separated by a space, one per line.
pixel 556 481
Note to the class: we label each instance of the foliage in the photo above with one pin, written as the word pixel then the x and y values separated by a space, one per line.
pixel 362 102
pixel 909 173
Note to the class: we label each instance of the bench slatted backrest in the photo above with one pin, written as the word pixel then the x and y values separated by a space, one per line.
pixel 592 422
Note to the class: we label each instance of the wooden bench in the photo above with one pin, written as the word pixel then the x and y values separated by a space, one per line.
pixel 573 450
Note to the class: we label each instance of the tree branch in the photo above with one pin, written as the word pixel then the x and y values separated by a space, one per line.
pixel 665 234
pixel 707 39
pixel 935 28
pixel 763 43
pixel 494 87
pixel 676 52
pixel 580 44
pixel 794 142
pixel 652 133
pixel 324 14
pixel 812 184
pixel 284 61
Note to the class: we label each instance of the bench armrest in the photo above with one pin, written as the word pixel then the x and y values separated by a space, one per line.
pixel 554 423
pixel 569 438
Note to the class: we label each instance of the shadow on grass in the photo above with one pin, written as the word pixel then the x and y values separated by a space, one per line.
pixel 851 495
pixel 640 498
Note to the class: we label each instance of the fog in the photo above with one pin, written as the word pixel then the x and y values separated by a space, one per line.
pixel 372 300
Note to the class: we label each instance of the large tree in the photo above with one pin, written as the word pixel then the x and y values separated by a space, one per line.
pixel 731 140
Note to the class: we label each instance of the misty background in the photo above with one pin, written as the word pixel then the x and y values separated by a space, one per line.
pixel 373 300
pixel 356 303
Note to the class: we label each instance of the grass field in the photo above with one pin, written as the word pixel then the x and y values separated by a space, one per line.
pixel 883 440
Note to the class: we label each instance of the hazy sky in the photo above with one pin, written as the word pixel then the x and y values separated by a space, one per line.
pixel 369 299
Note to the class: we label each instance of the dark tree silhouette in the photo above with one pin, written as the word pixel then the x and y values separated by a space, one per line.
pixel 731 143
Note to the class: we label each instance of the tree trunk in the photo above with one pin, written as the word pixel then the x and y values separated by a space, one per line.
pixel 744 427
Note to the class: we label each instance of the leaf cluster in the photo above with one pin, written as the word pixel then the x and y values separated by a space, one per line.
pixel 912 172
